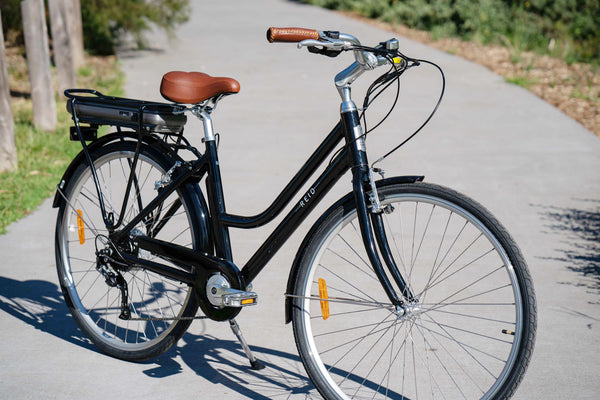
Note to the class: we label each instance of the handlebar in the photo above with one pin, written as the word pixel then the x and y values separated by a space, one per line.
pixel 292 35
pixel 332 43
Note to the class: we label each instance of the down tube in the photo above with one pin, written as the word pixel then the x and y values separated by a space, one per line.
pixel 290 223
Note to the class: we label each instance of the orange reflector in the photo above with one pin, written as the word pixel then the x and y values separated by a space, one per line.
pixel 80 227
pixel 324 298
pixel 248 301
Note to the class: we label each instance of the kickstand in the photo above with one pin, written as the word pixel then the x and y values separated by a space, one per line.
pixel 254 363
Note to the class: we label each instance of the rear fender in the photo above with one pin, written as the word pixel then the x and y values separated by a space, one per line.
pixel 206 243
pixel 103 141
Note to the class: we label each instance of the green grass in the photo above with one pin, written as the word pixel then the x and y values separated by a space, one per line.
pixel 522 81
pixel 43 156
pixel 578 94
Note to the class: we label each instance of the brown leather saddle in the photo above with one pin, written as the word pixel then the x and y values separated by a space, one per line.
pixel 195 87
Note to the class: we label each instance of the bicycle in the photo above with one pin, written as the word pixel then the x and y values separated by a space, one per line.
pixel 400 289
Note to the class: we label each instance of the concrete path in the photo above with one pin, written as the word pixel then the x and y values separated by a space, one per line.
pixel 536 169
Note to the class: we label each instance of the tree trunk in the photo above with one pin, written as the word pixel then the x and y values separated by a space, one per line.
pixel 8 151
pixel 61 44
pixel 76 32
pixel 38 64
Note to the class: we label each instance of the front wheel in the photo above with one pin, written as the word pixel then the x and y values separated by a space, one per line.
pixel 468 334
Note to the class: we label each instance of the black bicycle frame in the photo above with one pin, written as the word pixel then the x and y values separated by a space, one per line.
pixel 208 165
pixel 350 157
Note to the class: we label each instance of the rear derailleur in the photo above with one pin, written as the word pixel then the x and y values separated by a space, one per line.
pixel 113 278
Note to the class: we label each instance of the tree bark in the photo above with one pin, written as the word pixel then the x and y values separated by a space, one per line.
pixel 38 64
pixel 76 32
pixel 8 151
pixel 61 44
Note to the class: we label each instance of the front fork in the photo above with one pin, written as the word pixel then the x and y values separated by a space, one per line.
pixel 370 217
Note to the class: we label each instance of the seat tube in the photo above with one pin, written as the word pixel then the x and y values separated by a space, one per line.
pixel 214 187
pixel 360 179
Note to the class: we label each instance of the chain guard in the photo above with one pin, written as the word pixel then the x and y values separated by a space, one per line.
pixel 233 275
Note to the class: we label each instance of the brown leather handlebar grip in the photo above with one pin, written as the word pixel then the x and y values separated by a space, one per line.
pixel 291 34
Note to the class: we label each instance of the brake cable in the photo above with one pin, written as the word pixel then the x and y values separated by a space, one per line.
pixel 386 79
pixel 382 83
pixel 437 105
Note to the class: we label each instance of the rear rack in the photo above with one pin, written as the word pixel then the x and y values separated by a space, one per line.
pixel 92 107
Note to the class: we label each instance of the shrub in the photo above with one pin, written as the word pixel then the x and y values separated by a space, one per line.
pixel 105 21
pixel 564 28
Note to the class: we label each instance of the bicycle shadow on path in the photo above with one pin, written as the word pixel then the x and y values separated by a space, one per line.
pixel 223 362
pixel 40 304
pixel 580 250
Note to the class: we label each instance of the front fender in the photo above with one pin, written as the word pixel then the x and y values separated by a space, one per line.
pixel 346 199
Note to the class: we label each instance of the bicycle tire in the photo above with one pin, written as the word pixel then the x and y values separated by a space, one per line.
pixel 472 331
pixel 161 309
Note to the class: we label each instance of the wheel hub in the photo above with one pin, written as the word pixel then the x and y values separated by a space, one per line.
pixel 410 311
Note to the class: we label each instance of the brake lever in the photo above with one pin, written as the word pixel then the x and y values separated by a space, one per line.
pixel 329 48
pixel 324 51
pixel 331 45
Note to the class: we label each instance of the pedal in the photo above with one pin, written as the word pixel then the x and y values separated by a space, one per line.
pixel 238 298
pixel 220 294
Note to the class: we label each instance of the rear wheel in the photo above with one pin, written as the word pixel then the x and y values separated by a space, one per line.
pixel 160 309
pixel 468 335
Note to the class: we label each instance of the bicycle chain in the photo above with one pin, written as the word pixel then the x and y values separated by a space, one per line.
pixel 112 260
pixel 168 318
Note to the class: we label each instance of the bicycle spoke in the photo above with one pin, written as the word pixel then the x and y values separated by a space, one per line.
pixel 460 301
pixel 351 263
pixel 155 303
pixel 456 362
pixel 365 310
pixel 375 364
pixel 358 339
pixel 361 359
pixel 472 333
pixel 438 281
pixel 423 236
pixel 450 343
pixel 503 322
pixel 348 283
pixel 171 212
pixel 474 283
pixel 450 375
pixel 463 345
pixel 352 296
pixel 451 247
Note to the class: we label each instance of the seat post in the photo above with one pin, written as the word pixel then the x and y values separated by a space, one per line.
pixel 204 116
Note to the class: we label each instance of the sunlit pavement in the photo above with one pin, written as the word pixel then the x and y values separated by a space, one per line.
pixel 532 166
